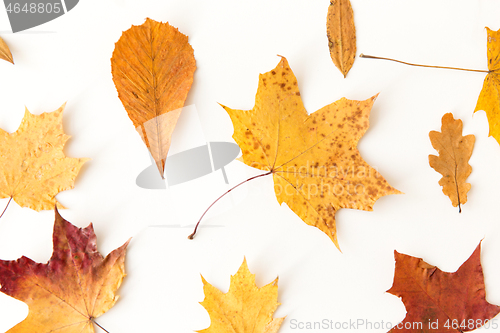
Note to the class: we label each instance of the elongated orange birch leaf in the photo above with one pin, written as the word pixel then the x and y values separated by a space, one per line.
pixel 153 67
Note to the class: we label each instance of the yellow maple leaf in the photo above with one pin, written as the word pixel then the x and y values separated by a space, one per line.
pixel 76 286
pixel 33 167
pixel 314 161
pixel 489 98
pixel 454 151
pixel 245 308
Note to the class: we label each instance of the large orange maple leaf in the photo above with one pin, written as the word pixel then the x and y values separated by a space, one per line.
pixel 315 164
pixel 76 286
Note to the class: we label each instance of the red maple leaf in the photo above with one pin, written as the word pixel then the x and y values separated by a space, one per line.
pixel 437 301
pixel 76 286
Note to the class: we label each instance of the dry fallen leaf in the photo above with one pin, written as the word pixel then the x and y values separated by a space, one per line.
pixel 489 98
pixel 451 302
pixel 454 151
pixel 153 67
pixel 5 52
pixel 341 34
pixel 245 308
pixel 33 167
pixel 316 166
pixel 76 286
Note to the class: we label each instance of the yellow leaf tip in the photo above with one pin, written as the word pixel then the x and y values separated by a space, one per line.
pixel 283 62
pixel 275 281
pixel 244 263
pixel 338 247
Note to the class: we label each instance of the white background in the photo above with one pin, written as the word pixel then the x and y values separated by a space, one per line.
pixel 68 59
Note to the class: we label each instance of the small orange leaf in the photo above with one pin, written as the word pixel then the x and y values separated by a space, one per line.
pixel 341 34
pixel 244 308
pixel 153 67
pixel 5 52
pixel 76 286
pixel 454 151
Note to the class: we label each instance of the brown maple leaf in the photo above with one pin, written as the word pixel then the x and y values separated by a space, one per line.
pixel 153 67
pixel 245 308
pixel 314 161
pixel 454 151
pixel 437 301
pixel 33 167
pixel 5 53
pixel 489 98
pixel 76 286
pixel 341 34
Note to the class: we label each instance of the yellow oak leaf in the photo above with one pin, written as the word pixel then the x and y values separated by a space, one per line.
pixel 76 286
pixel 489 98
pixel 5 53
pixel 454 151
pixel 314 160
pixel 153 67
pixel 341 34
pixel 245 308
pixel 33 167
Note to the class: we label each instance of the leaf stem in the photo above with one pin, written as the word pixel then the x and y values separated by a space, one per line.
pixel 456 183
pixel 6 207
pixel 213 203
pixel 95 322
pixel 418 65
